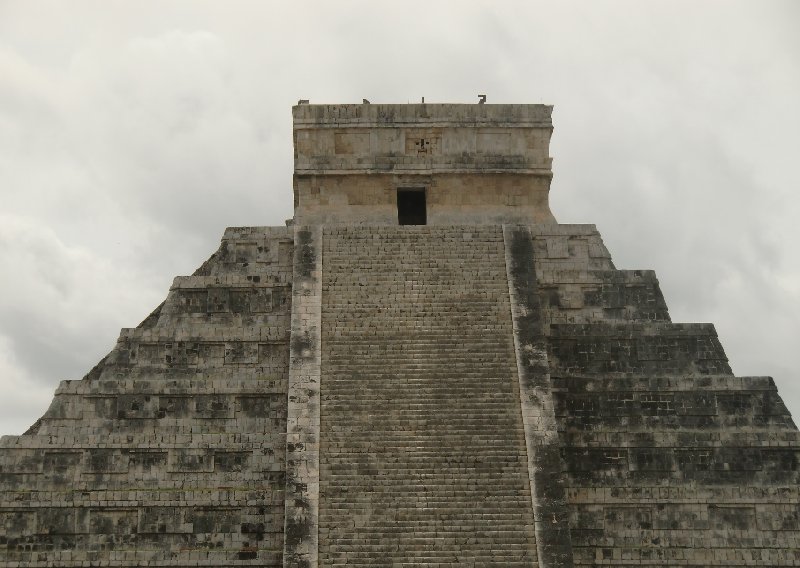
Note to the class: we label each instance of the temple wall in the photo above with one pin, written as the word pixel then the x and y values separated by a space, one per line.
pixel 171 451
pixel 476 163
pixel 452 199
pixel 669 458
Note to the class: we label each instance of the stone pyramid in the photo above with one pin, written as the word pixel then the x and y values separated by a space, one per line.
pixel 423 369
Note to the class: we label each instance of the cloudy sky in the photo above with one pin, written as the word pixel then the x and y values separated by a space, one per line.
pixel 132 134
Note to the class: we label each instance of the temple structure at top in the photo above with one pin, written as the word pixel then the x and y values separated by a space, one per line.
pixel 437 164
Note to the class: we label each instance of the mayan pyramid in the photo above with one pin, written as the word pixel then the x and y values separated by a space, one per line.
pixel 423 368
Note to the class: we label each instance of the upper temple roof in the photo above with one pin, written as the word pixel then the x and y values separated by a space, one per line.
pixel 438 114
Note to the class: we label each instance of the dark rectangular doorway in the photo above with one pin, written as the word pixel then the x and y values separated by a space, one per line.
pixel 411 207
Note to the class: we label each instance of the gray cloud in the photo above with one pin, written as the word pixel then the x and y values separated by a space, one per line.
pixel 131 136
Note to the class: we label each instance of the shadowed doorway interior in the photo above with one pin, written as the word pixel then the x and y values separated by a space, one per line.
pixel 411 207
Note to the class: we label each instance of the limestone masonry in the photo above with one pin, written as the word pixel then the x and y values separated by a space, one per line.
pixel 423 369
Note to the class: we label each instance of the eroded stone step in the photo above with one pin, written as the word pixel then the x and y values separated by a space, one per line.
pixel 420 416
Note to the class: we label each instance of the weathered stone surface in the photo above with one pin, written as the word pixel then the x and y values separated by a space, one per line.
pixel 669 458
pixel 423 458
pixel 171 451
pixel 302 428
pixel 477 164
pixel 486 390
pixel 544 461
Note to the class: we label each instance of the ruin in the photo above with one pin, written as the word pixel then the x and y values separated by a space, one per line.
pixel 423 369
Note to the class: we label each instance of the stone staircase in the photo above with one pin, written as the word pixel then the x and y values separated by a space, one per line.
pixel 423 459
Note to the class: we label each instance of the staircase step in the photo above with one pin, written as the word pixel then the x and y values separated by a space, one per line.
pixel 423 458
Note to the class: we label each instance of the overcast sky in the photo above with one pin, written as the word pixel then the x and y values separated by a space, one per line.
pixel 132 134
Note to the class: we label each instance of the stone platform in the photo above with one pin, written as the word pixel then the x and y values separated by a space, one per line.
pixel 438 443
